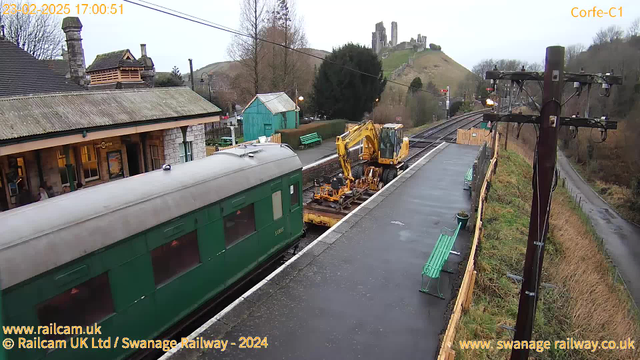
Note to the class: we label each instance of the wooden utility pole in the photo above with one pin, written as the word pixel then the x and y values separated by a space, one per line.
pixel 193 86
pixel 544 165
pixel 544 170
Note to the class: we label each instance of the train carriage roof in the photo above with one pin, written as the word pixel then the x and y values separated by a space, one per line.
pixel 44 235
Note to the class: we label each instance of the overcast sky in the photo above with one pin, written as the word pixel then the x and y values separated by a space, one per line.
pixel 468 31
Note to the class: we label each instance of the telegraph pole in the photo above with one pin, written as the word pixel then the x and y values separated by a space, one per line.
pixel 193 87
pixel 544 170
pixel 544 165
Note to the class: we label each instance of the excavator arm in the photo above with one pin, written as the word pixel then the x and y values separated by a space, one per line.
pixel 367 132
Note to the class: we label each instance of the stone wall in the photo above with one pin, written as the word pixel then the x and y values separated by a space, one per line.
pixel 173 139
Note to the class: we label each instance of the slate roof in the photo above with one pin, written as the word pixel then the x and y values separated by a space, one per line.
pixel 59 66
pixel 113 60
pixel 22 74
pixel 276 102
pixel 25 116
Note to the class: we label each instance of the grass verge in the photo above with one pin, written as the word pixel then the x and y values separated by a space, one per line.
pixel 584 304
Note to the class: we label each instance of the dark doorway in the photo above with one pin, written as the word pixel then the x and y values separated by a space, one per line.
pixel 4 204
pixel 133 158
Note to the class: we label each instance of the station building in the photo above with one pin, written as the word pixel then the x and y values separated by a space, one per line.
pixel 61 133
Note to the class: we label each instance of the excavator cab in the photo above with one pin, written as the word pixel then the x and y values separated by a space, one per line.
pixel 390 141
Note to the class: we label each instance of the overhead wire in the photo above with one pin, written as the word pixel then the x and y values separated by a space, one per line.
pixel 188 17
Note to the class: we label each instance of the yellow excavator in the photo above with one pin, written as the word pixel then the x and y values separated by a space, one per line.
pixel 383 153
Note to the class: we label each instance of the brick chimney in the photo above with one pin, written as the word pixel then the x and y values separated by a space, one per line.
pixel 77 68
pixel 149 71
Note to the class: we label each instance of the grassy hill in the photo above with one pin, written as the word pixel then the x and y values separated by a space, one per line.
pixel 429 65
pixel 395 60
pixel 231 68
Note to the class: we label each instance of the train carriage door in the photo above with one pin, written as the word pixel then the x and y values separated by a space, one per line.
pixel 294 220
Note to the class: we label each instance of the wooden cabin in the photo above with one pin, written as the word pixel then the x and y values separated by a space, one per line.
pixel 117 69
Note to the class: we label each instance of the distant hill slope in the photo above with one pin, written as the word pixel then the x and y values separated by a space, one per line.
pixel 231 68
pixel 429 65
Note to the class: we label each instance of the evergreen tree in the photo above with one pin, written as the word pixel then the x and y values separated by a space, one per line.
pixel 344 93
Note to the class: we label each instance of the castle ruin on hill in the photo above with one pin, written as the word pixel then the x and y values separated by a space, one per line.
pixel 379 39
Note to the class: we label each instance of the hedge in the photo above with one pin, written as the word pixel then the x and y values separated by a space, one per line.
pixel 327 129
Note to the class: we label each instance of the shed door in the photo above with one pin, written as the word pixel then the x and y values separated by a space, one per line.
pixel 268 130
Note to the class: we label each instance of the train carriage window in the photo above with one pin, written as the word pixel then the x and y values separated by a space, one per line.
pixel 238 225
pixel 293 191
pixel 82 305
pixel 175 257
pixel 276 199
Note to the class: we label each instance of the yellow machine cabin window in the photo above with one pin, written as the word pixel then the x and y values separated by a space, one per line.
pixel 295 194
pixel 276 200
pixel 82 305
pixel 175 257
pixel 238 225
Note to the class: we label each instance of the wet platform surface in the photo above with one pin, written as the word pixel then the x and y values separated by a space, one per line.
pixel 354 292
pixel 317 152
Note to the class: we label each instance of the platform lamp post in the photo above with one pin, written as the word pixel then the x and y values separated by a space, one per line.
pixel 373 107
pixel 298 99
pixel 209 77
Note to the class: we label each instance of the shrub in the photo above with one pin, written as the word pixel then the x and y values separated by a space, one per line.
pixel 455 107
pixel 326 129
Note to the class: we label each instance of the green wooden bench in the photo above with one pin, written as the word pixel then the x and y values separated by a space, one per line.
pixel 467 179
pixel 434 266
pixel 310 139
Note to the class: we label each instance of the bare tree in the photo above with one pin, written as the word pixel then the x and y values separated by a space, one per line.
pixel 572 52
pixel 247 49
pixel 483 66
pixel 634 28
pixel 39 35
pixel 535 66
pixel 610 34
pixel 285 28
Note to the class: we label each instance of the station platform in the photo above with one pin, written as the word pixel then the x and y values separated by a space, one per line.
pixel 353 292
pixel 318 152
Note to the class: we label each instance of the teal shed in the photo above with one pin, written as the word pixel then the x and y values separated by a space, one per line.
pixel 267 113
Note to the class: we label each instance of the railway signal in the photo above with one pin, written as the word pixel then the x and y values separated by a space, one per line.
pixel 544 174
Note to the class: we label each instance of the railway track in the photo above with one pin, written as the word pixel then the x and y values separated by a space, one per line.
pixel 436 135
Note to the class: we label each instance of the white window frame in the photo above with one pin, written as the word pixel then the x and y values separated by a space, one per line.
pixel 188 152
pixel 276 200
pixel 95 153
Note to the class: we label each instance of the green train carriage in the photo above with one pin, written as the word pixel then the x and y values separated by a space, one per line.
pixel 137 255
